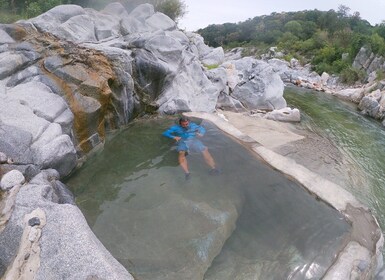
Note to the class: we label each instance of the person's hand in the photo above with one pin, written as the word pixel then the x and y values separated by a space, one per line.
pixel 199 135
pixel 177 138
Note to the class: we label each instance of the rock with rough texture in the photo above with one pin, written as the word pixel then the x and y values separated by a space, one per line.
pixel 234 54
pixel 81 256
pixel 258 87
pixel 52 19
pixel 26 113
pixel 3 158
pixel 286 115
pixel 214 58
pixel 5 38
pixel 351 94
pixel 373 104
pixel 39 98
pixel 363 59
pixel 11 179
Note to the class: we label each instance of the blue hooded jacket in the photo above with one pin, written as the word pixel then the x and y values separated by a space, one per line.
pixel 185 133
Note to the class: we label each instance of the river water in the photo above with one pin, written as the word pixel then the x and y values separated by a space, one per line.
pixel 361 139
pixel 250 222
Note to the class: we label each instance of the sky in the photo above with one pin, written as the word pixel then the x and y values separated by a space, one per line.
pixel 201 13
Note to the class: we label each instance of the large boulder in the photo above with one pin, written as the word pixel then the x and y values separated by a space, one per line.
pixel 257 86
pixel 373 104
pixel 52 238
pixel 28 113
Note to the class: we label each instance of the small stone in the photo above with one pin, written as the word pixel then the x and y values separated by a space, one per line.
pixel 3 158
pixel 35 221
pixel 33 235
pixel 11 179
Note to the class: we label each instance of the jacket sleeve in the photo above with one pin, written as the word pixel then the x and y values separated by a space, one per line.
pixel 169 133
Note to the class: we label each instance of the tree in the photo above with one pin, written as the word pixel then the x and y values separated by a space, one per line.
pixel 35 8
pixel 294 27
pixel 343 11
pixel 175 9
pixel 380 29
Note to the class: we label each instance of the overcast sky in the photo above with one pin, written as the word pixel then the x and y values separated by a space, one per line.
pixel 201 13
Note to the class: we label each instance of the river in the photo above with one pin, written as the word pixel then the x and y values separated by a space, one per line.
pixel 361 139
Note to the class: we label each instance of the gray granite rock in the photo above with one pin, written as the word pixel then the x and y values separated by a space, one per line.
pixel 11 179
pixel 258 86
pixel 69 249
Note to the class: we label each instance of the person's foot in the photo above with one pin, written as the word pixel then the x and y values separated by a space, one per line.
pixel 215 171
pixel 187 176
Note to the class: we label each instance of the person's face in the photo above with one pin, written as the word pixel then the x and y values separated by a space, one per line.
pixel 184 124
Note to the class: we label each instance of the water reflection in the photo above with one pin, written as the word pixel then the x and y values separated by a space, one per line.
pixel 250 222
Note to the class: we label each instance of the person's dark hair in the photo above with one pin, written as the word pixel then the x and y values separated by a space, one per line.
pixel 183 119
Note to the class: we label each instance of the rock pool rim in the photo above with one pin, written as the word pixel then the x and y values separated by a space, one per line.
pixel 363 252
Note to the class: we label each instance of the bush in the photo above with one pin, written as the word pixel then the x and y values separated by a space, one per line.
pixel 175 9
pixel 339 65
pixel 6 17
pixel 351 75
pixel 380 75
pixel 211 66
pixel 323 67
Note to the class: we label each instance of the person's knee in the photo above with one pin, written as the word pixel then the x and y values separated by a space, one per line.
pixel 205 151
pixel 182 155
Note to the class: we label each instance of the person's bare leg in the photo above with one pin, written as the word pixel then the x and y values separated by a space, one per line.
pixel 183 161
pixel 208 158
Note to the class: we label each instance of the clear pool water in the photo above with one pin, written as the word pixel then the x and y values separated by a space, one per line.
pixel 250 222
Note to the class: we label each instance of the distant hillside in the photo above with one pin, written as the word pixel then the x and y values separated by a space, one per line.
pixel 328 39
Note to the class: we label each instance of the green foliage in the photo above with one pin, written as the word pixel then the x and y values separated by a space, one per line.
pixel 175 9
pixel 380 29
pixel 327 39
pixel 327 54
pixel 6 17
pixel 35 8
pixel 350 75
pixel 4 5
pixel 294 27
pixel 377 43
pixel 212 66
pixel 380 75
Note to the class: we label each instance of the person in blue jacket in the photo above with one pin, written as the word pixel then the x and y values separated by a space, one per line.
pixel 185 134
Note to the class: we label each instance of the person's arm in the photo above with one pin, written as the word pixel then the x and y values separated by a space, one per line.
pixel 170 133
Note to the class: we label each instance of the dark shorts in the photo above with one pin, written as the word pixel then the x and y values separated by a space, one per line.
pixel 191 146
